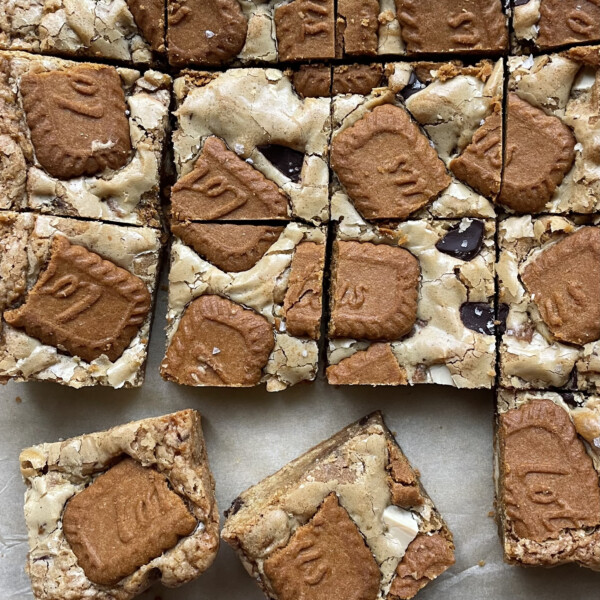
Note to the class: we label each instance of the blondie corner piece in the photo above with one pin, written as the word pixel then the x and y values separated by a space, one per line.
pixel 547 469
pixel 549 291
pixel 552 164
pixel 82 139
pixel 131 31
pixel 348 519
pixel 413 302
pixel 113 512
pixel 267 147
pixel 75 300
pixel 546 24
pixel 245 305
pixel 427 142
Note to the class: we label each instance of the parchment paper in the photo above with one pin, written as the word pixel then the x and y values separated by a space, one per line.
pixel 446 434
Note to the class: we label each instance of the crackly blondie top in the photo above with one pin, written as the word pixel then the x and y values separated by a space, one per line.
pixel 552 163
pixel 397 287
pixel 107 512
pixel 347 519
pixel 545 24
pixel 82 139
pixel 125 30
pixel 75 299
pixel 426 142
pixel 244 305
pixel 549 290
pixel 249 129
pixel 547 468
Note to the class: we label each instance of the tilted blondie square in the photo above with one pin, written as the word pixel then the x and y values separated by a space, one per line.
pixel 552 164
pixel 131 31
pixel 547 468
pixel 247 147
pixel 426 142
pixel 546 24
pixel 549 291
pixel 111 513
pixel 81 139
pixel 245 304
pixel 75 300
pixel 413 302
pixel 347 519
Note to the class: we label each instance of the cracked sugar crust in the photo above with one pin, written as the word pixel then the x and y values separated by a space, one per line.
pixel 564 87
pixel 223 186
pixel 122 33
pixel 27 241
pixel 386 164
pixel 531 356
pixel 566 533
pixel 464 353
pixel 262 288
pixel 452 25
pixel 174 446
pixel 540 150
pixel 218 343
pixel 253 108
pixel 204 32
pixel 374 291
pixel 127 193
pixel 355 469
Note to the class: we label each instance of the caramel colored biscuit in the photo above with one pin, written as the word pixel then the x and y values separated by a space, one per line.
pixel 452 25
pixel 540 151
pixel 480 163
pixel 312 81
pixel 356 79
pixel 232 248
pixel 374 366
pixel 548 481
pixel 427 557
pixel 374 291
pixel 302 305
pixel 357 26
pixel 218 343
pixel 77 120
pixel 326 559
pixel 149 16
pixel 564 282
pixel 204 32
pixel 223 186
pixel 402 481
pixel 305 30
pixel 387 165
pixel 568 21
pixel 124 519
pixel 83 304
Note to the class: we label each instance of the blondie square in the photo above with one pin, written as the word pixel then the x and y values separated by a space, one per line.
pixel 245 304
pixel 347 519
pixel 81 139
pixel 75 300
pixel 111 513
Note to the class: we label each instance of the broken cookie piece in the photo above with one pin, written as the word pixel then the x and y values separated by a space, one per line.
pixel 86 140
pixel 547 481
pixel 248 147
pixel 348 519
pixel 84 318
pixel 245 304
pixel 397 287
pixel 549 280
pixel 111 513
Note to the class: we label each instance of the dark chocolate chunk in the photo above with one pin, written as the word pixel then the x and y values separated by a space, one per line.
pixel 502 316
pixel 478 316
pixel 288 161
pixel 235 507
pixel 413 86
pixel 521 2
pixel 569 399
pixel 463 243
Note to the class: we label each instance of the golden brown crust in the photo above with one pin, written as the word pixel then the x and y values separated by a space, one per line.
pixel 387 165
